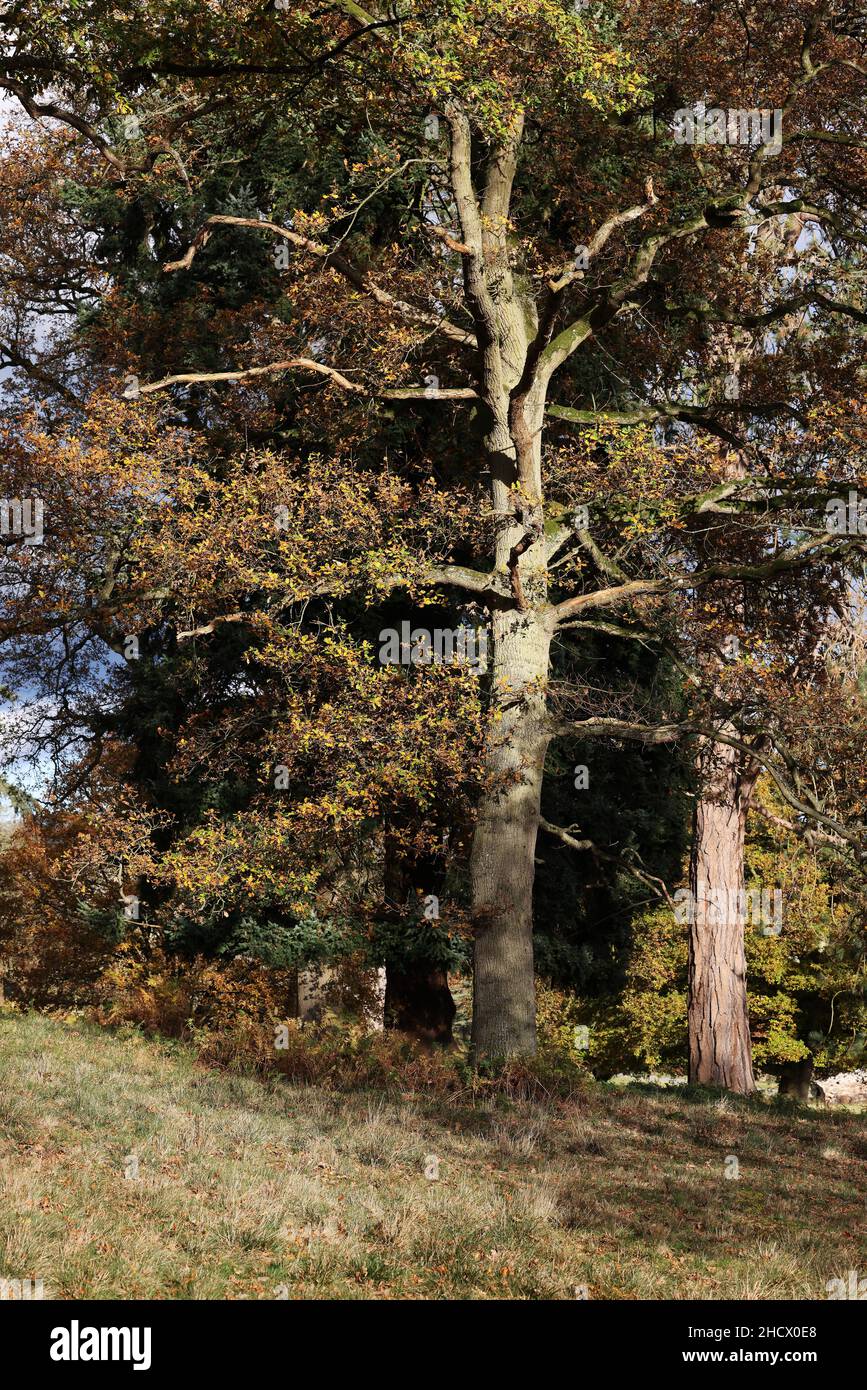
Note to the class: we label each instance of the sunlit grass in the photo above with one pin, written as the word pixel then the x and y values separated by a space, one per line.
pixel 251 1189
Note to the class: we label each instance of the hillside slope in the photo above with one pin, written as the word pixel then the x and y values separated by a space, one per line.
pixel 261 1190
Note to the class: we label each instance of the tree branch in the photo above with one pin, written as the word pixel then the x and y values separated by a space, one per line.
pixel 799 555
pixel 359 279
pixel 36 109
pixel 402 393
pixel 601 236
pixel 656 885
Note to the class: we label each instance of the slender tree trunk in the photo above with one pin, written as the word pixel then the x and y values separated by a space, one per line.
pixel 313 984
pixel 418 1000
pixel 720 1053
pixel 504 845
pixel 796 1078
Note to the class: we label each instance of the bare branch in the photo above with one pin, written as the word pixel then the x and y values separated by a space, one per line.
pixel 306 363
pixel 601 236
pixel 210 627
pixel 401 393
pixel 810 833
pixel 36 109
pixel 443 235
pixel 359 279
pixel 787 792
pixel 799 555
pixel 626 729
pixel 656 885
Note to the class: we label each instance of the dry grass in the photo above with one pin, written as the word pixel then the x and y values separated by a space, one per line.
pixel 251 1189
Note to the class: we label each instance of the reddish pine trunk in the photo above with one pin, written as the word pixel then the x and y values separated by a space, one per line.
pixel 720 1052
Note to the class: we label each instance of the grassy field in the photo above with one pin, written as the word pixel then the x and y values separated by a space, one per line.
pixel 262 1190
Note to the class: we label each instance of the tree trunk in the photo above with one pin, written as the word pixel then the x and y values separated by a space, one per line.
pixel 502 865
pixel 374 1011
pixel 720 1053
pixel 311 990
pixel 504 844
pixel 418 1001
pixel 796 1078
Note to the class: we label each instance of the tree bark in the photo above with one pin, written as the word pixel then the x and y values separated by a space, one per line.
pixel 720 1052
pixel 418 1000
pixel 502 864
pixel 502 867
pixel 796 1078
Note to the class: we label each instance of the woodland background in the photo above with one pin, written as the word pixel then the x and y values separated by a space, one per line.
pixel 317 320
